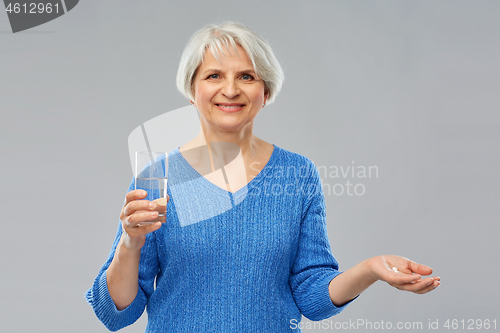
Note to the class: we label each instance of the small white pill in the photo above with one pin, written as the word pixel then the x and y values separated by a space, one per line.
pixel 395 269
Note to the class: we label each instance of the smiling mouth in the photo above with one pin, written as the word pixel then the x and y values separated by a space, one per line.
pixel 230 106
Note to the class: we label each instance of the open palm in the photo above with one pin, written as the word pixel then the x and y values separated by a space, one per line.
pixel 403 273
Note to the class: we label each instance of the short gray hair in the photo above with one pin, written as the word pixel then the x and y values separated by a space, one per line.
pixel 214 37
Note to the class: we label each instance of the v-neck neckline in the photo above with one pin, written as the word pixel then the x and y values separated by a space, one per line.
pixel 211 186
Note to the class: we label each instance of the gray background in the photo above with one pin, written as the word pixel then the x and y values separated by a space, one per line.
pixel 409 87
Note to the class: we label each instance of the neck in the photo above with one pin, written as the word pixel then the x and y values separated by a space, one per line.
pixel 248 143
pixel 242 150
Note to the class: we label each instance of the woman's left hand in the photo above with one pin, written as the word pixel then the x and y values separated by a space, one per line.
pixel 403 273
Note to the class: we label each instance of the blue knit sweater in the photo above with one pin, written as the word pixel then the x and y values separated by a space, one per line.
pixel 252 261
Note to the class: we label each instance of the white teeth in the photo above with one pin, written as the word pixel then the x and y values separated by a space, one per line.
pixel 231 107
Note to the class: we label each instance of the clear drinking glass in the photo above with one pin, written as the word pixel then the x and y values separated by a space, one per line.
pixel 150 173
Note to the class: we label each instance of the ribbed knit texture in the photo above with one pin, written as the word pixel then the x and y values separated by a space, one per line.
pixel 253 268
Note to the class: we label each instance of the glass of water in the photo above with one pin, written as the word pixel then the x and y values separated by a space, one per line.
pixel 150 173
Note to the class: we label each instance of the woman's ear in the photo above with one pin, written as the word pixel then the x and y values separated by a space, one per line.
pixel 266 96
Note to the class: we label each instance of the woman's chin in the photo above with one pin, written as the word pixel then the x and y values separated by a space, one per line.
pixel 228 126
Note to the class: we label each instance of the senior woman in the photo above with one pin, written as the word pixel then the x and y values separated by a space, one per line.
pixel 258 266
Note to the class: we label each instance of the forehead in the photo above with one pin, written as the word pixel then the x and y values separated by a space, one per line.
pixel 226 57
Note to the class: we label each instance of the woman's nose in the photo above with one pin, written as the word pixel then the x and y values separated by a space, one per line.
pixel 230 89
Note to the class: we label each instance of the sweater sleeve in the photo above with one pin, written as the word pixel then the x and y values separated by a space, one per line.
pixel 314 265
pixel 98 295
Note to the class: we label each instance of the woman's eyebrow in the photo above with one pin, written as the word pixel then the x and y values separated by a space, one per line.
pixel 210 70
pixel 216 71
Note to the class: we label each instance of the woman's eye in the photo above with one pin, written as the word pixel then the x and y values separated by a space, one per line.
pixel 247 77
pixel 213 76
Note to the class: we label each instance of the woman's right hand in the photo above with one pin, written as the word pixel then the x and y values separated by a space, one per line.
pixel 134 213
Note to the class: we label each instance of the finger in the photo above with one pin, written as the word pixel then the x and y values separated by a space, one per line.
pixel 148 228
pixel 143 228
pixel 133 220
pixel 402 278
pixel 428 288
pixel 413 287
pixel 135 195
pixel 138 205
pixel 160 217
pixel 162 201
pixel 419 268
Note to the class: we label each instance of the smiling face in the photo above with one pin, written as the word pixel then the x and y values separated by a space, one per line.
pixel 228 93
